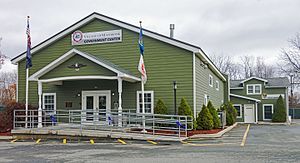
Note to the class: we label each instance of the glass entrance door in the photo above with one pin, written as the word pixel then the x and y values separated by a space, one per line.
pixel 95 106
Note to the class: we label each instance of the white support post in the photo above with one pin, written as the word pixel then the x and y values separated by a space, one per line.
pixel 40 91
pixel 120 102
pixel 256 112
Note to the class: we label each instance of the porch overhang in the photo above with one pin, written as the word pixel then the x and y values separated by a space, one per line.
pixel 120 73
pixel 244 97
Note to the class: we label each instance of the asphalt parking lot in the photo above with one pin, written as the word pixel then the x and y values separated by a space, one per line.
pixel 264 143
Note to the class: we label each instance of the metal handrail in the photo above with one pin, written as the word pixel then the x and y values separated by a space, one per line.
pixel 156 124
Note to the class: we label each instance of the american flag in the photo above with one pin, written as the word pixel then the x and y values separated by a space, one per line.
pixel 141 66
pixel 28 53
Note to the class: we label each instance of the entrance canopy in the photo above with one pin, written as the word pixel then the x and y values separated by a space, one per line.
pixel 67 67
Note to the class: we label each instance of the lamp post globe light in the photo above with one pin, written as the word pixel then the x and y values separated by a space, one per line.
pixel 175 88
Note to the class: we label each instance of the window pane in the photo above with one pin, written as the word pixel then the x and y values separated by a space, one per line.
pixel 257 89
pixel 268 112
pixel 250 89
pixel 147 102
pixel 238 110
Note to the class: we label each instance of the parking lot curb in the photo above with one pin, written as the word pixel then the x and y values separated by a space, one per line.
pixel 217 135
pixel 6 137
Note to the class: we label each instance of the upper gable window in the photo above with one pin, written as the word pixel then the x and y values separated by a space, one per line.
pixel 211 81
pixel 253 89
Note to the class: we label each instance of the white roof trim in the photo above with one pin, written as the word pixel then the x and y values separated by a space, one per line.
pixel 244 97
pixel 264 80
pixel 237 88
pixel 123 25
pixel 78 78
pixel 70 54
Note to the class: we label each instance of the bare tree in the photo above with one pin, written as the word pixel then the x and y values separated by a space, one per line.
pixel 8 86
pixel 227 66
pixel 2 56
pixel 248 65
pixel 290 61
pixel 263 70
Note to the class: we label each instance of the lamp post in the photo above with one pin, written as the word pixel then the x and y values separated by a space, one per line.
pixel 174 88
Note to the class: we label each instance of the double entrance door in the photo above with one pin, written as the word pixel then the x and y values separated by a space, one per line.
pixel 95 106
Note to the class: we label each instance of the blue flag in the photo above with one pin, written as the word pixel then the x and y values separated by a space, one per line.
pixel 28 53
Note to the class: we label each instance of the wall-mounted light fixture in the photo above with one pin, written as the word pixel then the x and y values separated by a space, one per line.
pixel 77 66
pixel 204 64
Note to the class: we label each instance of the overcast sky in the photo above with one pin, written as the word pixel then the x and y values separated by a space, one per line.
pixel 228 27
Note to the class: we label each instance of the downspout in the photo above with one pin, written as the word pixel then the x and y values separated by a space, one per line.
pixel 194 84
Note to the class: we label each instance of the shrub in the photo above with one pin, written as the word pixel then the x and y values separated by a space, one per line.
pixel 160 107
pixel 205 119
pixel 6 116
pixel 214 114
pixel 279 114
pixel 230 114
pixel 185 109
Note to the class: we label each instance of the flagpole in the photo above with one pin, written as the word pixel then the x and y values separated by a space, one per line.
pixel 143 106
pixel 28 65
pixel 26 97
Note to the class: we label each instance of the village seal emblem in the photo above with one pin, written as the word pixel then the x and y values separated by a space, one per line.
pixel 77 36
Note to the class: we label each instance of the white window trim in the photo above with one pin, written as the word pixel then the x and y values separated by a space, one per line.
pixel 152 101
pixel 212 80
pixel 217 85
pixel 264 110
pixel 253 86
pixel 205 102
pixel 241 110
pixel 50 94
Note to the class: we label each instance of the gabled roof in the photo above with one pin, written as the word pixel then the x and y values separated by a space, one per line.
pixel 100 61
pixel 257 78
pixel 244 97
pixel 93 16
pixel 279 82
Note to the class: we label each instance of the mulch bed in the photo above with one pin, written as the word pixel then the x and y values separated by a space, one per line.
pixel 5 134
pixel 190 133
pixel 195 132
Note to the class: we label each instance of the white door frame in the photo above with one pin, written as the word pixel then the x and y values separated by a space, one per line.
pixel 95 94
pixel 246 113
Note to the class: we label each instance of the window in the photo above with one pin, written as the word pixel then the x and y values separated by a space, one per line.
pixel 49 102
pixel 253 89
pixel 217 85
pixel 267 111
pixel 238 108
pixel 211 81
pixel 148 101
pixel 206 98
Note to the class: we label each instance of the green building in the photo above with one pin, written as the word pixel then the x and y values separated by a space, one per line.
pixel 93 65
pixel 255 98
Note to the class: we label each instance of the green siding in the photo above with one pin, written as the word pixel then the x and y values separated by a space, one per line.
pixel 202 86
pixel 164 63
pixel 91 69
